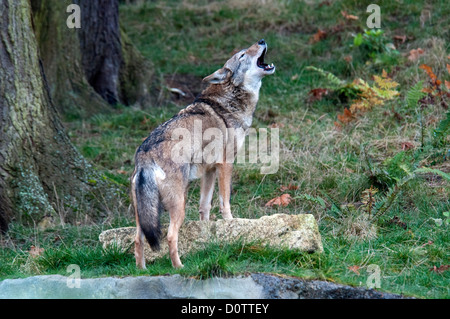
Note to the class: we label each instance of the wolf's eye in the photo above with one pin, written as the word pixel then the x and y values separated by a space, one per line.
pixel 241 56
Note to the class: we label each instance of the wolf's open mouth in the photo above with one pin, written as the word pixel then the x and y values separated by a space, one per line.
pixel 260 62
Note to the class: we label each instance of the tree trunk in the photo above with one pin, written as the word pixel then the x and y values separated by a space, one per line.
pixel 88 68
pixel 41 173
pixel 100 46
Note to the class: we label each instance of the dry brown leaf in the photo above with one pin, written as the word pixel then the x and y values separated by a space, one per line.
pixel 414 54
pixel 337 126
pixel 348 16
pixel 430 72
pixel 407 146
pixel 346 117
pixel 35 251
pixel 401 38
pixel 317 94
pixel 282 200
pixel 355 269
pixel 348 58
pixel 440 269
pixel 320 34
pixel 290 187
pixel 447 84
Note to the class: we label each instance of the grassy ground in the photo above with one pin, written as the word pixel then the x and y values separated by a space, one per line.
pixel 402 228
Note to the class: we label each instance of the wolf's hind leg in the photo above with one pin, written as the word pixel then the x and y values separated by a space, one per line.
pixel 139 248
pixel 139 239
pixel 176 220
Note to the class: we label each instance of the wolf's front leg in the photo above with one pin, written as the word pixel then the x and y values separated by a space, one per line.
pixel 206 193
pixel 225 171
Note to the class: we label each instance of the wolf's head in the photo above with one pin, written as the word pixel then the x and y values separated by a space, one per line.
pixel 246 68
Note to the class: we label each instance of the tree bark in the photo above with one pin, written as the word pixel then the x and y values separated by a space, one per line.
pixel 100 46
pixel 90 67
pixel 41 172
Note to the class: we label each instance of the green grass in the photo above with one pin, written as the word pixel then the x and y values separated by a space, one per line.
pixel 196 38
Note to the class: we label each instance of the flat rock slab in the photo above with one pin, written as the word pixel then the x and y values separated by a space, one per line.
pixel 296 232
pixel 254 286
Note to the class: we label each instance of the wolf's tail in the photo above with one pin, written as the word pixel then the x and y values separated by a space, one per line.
pixel 147 203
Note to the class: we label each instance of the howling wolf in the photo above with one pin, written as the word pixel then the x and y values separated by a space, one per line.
pixel 161 176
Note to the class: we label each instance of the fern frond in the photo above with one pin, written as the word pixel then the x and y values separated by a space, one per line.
pixel 333 81
pixel 414 94
pixel 314 199
pixel 442 131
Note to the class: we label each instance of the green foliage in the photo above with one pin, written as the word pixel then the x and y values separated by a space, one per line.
pixel 333 82
pixel 373 42
pixel 315 199
pixel 442 132
pixel 399 166
pixel 414 94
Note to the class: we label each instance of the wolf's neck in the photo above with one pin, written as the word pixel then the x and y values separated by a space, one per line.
pixel 235 103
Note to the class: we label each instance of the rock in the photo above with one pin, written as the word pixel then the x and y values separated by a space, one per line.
pixel 298 232
pixel 275 287
pixel 254 286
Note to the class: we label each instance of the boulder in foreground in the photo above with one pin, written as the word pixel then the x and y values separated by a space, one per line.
pixel 297 232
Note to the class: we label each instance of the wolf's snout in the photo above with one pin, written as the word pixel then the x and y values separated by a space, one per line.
pixel 261 42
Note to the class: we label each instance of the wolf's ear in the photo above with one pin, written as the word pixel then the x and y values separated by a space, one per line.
pixel 218 77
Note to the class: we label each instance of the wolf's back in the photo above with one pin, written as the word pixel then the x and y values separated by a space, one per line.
pixel 148 204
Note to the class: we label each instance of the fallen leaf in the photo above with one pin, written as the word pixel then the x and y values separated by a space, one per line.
pixel 401 38
pixel 355 269
pixel 282 200
pixel 348 16
pixel 337 126
pixel 320 34
pixel 431 74
pixel 348 58
pixel 447 84
pixel 414 54
pixel 427 90
pixel 121 171
pixel 407 146
pixel 346 117
pixel 317 94
pixel 448 68
pixel 289 187
pixel 440 269
pixel 35 251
